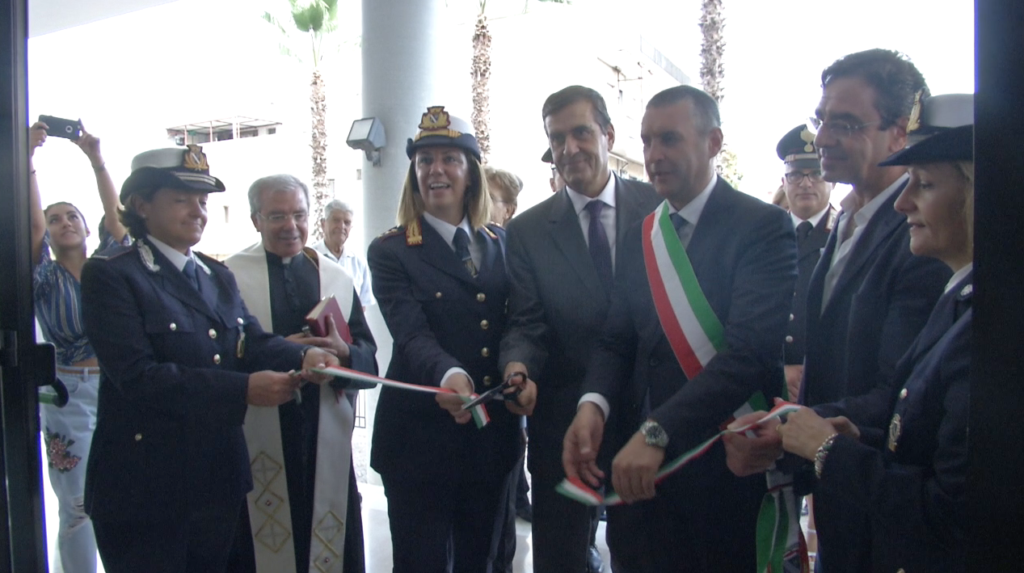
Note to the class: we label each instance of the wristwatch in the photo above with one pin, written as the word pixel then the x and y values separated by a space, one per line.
pixel 654 434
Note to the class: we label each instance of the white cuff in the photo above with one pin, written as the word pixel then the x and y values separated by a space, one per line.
pixel 598 399
pixel 457 370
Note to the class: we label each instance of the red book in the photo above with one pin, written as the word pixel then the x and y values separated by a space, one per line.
pixel 317 319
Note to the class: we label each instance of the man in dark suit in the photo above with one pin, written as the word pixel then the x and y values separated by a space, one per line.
pixel 562 255
pixel 181 358
pixel 869 296
pixel 743 257
pixel 807 194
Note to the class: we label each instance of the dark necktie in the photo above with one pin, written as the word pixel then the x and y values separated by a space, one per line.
pixel 679 223
pixel 190 273
pixel 461 244
pixel 597 240
pixel 802 231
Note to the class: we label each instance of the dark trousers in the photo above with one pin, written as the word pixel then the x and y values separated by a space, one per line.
pixel 443 528
pixel 687 529
pixel 505 541
pixel 196 545
pixel 562 528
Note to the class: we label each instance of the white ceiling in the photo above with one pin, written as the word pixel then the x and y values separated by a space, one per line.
pixel 48 16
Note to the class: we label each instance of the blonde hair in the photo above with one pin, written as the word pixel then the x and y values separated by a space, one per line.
pixel 505 184
pixel 966 170
pixel 779 198
pixel 476 202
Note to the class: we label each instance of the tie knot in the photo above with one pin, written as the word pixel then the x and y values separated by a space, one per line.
pixel 595 207
pixel 677 221
pixel 803 229
pixel 461 238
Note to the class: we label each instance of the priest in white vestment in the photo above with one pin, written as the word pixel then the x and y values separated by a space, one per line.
pixel 303 513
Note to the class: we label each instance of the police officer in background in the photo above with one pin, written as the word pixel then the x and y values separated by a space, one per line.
pixel 181 359
pixel 807 195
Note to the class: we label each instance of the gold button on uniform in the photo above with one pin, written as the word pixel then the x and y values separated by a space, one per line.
pixel 138 437
pixel 792 318
pixel 484 324
pixel 485 352
pixel 789 339
pixel 487 380
pixel 173 327
pixel 903 393
pixel 213 334
pixel 216 358
pixel 437 294
pixel 480 297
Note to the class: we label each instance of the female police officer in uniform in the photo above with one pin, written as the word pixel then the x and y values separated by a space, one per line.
pixel 180 358
pixel 440 280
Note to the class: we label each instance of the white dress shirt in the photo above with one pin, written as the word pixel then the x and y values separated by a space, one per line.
pixel 177 259
pixel 691 213
pixel 607 196
pixel 861 218
pixel 356 268
pixel 814 218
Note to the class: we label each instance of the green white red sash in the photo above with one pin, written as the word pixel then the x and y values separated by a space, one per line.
pixel 696 335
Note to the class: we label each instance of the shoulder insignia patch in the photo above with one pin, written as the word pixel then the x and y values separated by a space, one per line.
pixel 112 253
pixel 390 232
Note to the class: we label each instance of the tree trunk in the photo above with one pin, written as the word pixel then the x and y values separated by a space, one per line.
pixel 712 49
pixel 481 72
pixel 318 143
pixel 712 77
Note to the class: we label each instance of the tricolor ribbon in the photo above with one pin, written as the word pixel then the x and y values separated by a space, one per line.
pixel 581 492
pixel 480 416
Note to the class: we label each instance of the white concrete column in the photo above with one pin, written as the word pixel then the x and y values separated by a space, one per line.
pixel 411 60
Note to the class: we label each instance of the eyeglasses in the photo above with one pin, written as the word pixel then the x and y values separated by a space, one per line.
pixel 796 177
pixel 277 218
pixel 838 128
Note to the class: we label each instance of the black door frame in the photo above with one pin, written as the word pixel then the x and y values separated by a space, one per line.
pixel 23 543
pixel 995 486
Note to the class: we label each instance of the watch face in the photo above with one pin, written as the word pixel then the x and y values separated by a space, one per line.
pixel 654 434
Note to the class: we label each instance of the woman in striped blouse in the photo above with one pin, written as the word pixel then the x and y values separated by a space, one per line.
pixel 61 230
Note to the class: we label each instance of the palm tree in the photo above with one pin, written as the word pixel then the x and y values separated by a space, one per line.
pixel 314 19
pixel 480 71
pixel 712 76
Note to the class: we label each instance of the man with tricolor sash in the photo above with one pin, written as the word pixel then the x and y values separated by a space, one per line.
pixel 694 333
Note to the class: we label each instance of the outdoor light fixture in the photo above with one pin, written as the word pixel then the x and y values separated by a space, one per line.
pixel 367 134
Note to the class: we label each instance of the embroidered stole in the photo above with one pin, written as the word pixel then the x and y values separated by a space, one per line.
pixel 269 509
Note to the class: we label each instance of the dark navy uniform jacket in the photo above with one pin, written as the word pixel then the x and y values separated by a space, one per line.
pixel 903 507
pixel 174 377
pixel 807 256
pixel 440 317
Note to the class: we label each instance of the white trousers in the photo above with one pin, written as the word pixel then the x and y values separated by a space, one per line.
pixel 67 434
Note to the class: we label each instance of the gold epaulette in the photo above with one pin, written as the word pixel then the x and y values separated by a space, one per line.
pixel 413 236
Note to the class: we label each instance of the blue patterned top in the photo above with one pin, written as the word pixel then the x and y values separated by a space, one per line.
pixel 57 295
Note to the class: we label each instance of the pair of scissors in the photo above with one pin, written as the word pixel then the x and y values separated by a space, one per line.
pixel 498 392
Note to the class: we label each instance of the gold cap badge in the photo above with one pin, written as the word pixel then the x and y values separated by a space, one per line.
pixel 195 159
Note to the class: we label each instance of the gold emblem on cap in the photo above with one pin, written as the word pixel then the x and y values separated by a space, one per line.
pixel 195 159
pixel 808 139
pixel 914 123
pixel 436 122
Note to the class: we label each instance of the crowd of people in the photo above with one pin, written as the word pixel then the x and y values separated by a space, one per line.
pixel 622 325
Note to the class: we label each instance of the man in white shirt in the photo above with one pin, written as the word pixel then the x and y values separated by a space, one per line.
pixel 336 225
